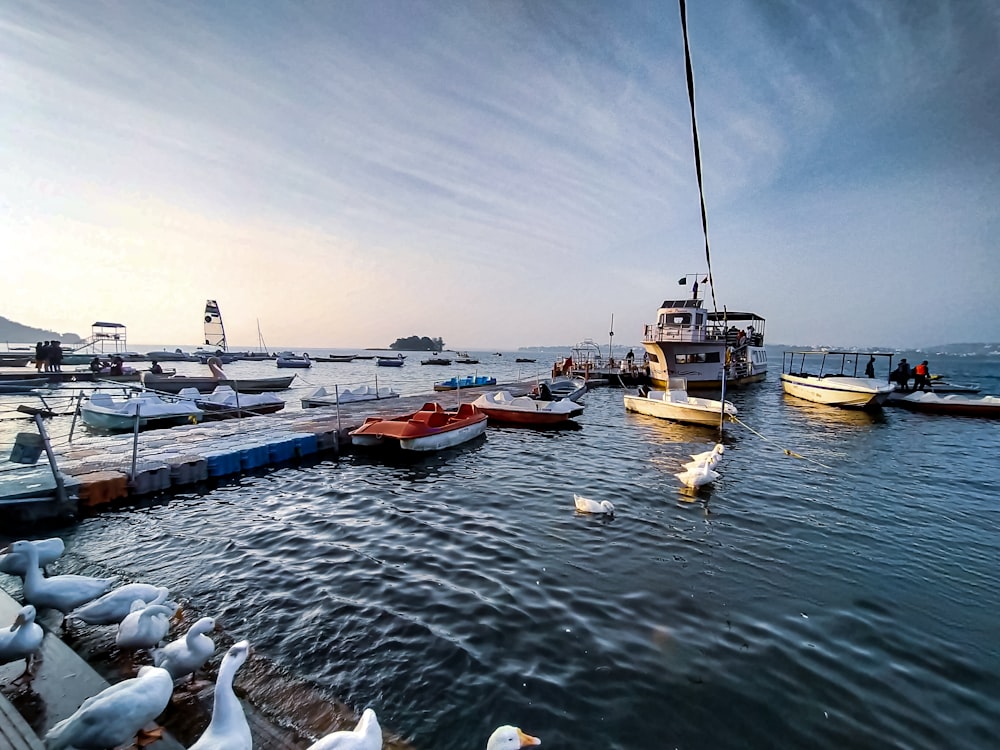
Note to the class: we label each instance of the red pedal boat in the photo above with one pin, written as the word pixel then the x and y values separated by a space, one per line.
pixel 430 428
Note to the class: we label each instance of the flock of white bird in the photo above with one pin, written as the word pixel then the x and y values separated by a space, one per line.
pixel 118 714
pixel 699 471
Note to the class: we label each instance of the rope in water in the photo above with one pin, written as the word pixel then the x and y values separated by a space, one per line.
pixel 786 451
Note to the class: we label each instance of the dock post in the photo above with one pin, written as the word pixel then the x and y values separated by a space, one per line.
pixel 135 438
pixel 76 411
pixel 336 393
pixel 60 488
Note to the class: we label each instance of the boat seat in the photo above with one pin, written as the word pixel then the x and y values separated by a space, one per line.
pixel 430 418
pixel 466 410
pixel 102 399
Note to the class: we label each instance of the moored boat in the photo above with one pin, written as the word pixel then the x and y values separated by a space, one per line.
pixel 953 404
pixel 322 397
pixel 701 346
pixel 396 361
pixel 429 428
pixel 470 381
pixel 336 358
pixel 675 404
pixel 225 403
pixel 501 406
pixel 435 361
pixel 146 409
pixel 842 387
pixel 571 388
pixel 289 360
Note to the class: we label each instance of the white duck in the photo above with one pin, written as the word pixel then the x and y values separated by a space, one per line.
pixel 228 729
pixel 711 462
pixel 49 550
pixel 65 592
pixel 698 476
pixel 116 714
pixel 367 735
pixel 715 453
pixel 586 505
pixel 23 640
pixel 115 605
pixel 188 654
pixel 510 738
pixel 145 626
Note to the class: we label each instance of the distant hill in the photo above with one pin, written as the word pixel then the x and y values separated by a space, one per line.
pixel 418 344
pixel 17 333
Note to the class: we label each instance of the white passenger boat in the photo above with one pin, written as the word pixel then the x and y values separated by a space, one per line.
pixel 101 410
pixel 675 404
pixel 831 378
pixel 687 341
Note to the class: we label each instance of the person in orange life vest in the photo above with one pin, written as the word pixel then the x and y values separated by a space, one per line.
pixel 921 376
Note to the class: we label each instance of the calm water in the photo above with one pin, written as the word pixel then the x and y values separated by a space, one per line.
pixel 846 599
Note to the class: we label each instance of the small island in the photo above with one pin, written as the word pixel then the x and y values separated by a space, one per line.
pixel 418 344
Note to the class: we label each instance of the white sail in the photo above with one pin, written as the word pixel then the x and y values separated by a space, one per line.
pixel 215 333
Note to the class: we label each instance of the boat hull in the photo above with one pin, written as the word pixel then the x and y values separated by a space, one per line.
pixel 953 405
pixel 697 411
pixel 845 392
pixel 394 362
pixel 208 384
pixel 500 406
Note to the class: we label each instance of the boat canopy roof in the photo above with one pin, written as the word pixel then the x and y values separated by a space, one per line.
pixel 99 324
pixel 841 352
pixel 734 316
pixel 681 303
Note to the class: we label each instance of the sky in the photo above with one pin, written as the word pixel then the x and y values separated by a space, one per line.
pixel 497 173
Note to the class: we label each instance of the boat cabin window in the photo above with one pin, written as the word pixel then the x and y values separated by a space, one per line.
pixel 675 319
pixel 696 358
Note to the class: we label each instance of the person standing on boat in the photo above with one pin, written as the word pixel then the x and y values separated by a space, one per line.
pixel 870 368
pixel 921 376
pixel 156 369
pixel 630 360
pixel 116 366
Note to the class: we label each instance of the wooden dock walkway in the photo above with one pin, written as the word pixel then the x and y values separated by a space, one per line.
pixel 101 468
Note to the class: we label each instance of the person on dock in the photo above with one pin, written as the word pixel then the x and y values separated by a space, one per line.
pixel 921 376
pixel 156 369
pixel 870 368
pixel 630 359
pixel 901 374
pixel 55 356
pixel 40 355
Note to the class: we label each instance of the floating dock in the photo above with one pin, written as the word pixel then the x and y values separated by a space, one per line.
pixel 101 469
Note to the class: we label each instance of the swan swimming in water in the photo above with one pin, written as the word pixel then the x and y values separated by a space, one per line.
pixel 586 505
pixel 115 715
pixel 510 738
pixel 715 453
pixel 698 477
pixel 228 729
pixel 188 654
pixel 64 592
pixel 115 605
pixel 367 735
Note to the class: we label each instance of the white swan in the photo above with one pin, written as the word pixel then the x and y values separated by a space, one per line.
pixel 716 452
pixel 510 738
pixel 23 639
pixel 145 626
pixel 586 505
pixel 711 462
pixel 49 550
pixel 65 592
pixel 228 729
pixel 367 735
pixel 115 605
pixel 188 654
pixel 698 476
pixel 116 714
pixel 215 367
